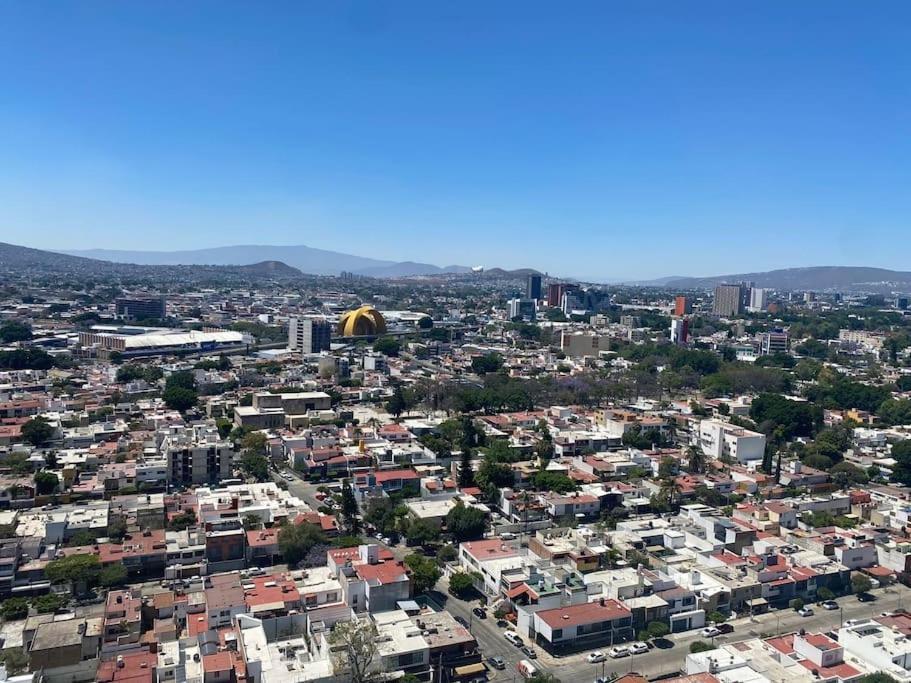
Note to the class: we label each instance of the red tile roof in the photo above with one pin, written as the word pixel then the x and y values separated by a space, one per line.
pixel 585 613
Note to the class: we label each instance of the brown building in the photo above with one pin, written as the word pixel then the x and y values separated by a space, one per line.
pixel 682 306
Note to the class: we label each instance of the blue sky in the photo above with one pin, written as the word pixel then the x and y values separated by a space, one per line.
pixel 608 139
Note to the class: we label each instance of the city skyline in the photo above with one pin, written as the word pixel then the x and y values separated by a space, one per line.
pixel 755 138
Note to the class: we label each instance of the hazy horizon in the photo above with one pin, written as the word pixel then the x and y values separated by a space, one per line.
pixel 618 141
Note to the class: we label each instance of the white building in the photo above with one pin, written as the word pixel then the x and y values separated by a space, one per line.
pixel 883 647
pixel 196 455
pixel 721 439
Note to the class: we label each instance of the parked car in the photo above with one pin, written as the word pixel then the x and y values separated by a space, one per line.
pixel 497 662
pixel 479 612
pixel 595 657
pixel 638 648
pixel 619 651
pixel 462 621
pixel 829 604
pixel 710 632
pixel 502 623
pixel 805 611
pixel 531 654
pixel 514 638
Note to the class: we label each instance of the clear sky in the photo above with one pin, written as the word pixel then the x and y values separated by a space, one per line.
pixel 604 139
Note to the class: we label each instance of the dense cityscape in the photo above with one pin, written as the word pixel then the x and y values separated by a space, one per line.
pixel 252 475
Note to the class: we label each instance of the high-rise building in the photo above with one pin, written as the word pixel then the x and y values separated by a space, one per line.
pixel 522 308
pixel 759 299
pixel 140 307
pixel 309 335
pixel 682 306
pixel 728 300
pixel 680 330
pixel 533 287
pixel 556 290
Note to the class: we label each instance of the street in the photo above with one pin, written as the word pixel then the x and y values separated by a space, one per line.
pixel 660 661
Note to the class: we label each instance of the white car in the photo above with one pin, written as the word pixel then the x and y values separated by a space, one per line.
pixel 710 632
pixel 595 657
pixel 805 611
pixel 638 648
pixel 619 651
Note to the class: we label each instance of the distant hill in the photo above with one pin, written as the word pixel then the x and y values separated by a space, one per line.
pixel 270 269
pixel 18 259
pixel 306 259
pixel 816 278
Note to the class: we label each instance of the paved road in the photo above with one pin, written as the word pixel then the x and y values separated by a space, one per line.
pixel 575 669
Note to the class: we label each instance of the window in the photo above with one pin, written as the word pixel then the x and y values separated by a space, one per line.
pixel 557 633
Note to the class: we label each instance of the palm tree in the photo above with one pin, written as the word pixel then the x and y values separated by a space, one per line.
pixel 670 491
pixel 696 459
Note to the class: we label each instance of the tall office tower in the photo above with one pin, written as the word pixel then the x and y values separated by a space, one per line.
pixel 554 294
pixel 728 300
pixel 682 306
pixel 137 307
pixel 533 287
pixel 309 335
pixel 522 308
pixel 680 330
pixel 759 299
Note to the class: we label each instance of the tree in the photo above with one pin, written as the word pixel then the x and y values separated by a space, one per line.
pixel 700 646
pixel 424 573
pixel 388 346
pixel 695 460
pixel 542 677
pixel 667 468
pixel 396 405
pixel 15 660
pixel 296 540
pixel 825 593
pixel 45 604
pixel 37 431
pixel 77 570
pixel 901 452
pixel 657 629
pixel 878 677
pixel 717 617
pixel 421 532
pixel 466 523
pixel 425 323
pixel 860 583
pixel 796 604
pixel 113 575
pixel 466 473
pixel 489 362
pixel 255 466
pixel 182 521
pixel 447 553
pixel 178 398
pixel 14 608
pixel 349 508
pixel 460 583
pixel 46 483
pixel 354 648
pixel 554 481
pixel 14 331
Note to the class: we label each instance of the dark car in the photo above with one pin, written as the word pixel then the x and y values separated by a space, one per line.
pixel 462 621
pixel 531 654
pixel 866 597
pixel 479 612
pixel 502 623
pixel 496 662
pixel 725 628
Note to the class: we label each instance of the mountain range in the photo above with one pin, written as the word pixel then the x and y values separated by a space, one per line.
pixel 815 278
pixel 306 259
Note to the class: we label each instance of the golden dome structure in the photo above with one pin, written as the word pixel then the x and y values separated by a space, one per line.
pixel 365 321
